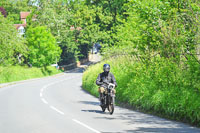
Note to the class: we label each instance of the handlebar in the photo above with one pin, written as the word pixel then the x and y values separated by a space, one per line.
pixel 110 85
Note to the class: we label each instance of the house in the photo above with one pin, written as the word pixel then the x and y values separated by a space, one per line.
pixel 23 16
pixel 21 27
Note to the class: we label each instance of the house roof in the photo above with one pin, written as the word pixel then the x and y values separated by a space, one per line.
pixel 23 15
pixel 18 25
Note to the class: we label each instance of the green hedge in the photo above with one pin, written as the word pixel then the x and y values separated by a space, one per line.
pixel 159 86
pixel 17 73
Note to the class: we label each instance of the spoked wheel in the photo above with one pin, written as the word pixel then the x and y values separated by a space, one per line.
pixel 111 105
pixel 111 108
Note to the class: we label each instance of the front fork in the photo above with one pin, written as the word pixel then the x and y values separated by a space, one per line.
pixel 111 99
pixel 106 99
pixel 102 98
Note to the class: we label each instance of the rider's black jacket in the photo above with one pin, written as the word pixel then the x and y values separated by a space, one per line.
pixel 104 78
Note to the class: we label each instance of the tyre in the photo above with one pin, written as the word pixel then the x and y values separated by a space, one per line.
pixel 111 108
pixel 111 105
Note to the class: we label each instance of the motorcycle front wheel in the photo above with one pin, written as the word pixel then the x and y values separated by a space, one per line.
pixel 111 103
pixel 111 108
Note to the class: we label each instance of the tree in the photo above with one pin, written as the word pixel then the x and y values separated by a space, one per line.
pixel 14 7
pixel 169 28
pixel 12 46
pixel 43 49
pixel 58 18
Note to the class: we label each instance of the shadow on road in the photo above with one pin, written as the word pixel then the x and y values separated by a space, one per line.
pixel 155 130
pixel 76 70
pixel 94 104
pixel 81 68
pixel 93 111
pixel 90 102
pixel 160 130
pixel 159 125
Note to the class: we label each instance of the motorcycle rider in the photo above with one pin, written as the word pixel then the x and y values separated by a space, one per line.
pixel 103 81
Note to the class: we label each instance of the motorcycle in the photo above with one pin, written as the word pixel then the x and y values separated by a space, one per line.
pixel 108 99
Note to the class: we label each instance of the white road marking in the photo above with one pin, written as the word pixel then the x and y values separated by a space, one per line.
pixel 44 101
pixel 86 126
pixel 52 107
pixel 45 87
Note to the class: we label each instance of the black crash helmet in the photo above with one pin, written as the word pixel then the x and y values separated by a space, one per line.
pixel 106 67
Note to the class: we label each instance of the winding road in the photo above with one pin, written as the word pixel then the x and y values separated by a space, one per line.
pixel 58 104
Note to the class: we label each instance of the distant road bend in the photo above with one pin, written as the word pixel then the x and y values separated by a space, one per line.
pixel 58 104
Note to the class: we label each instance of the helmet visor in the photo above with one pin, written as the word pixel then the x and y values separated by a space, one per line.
pixel 107 69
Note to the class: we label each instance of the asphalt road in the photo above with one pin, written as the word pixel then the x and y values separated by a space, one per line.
pixel 58 104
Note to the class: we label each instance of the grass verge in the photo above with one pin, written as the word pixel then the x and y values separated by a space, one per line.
pixel 17 73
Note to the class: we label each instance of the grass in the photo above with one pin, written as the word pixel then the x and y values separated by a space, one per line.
pixel 17 73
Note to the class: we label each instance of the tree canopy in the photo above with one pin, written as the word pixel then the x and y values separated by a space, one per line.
pixel 12 46
pixel 167 27
pixel 43 49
